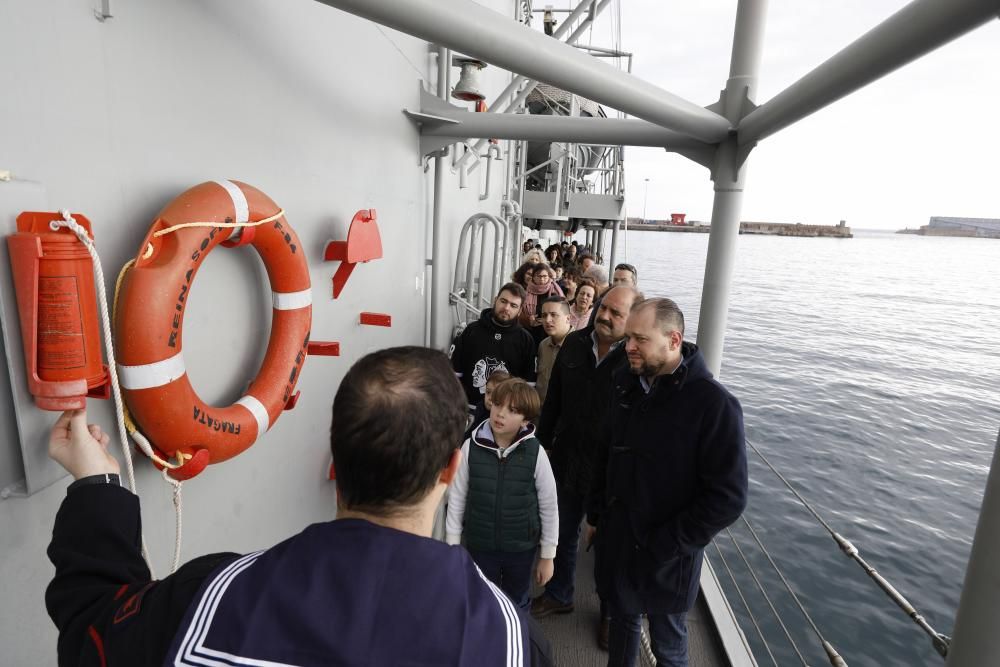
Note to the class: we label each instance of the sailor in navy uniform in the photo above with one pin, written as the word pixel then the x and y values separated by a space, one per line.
pixel 369 588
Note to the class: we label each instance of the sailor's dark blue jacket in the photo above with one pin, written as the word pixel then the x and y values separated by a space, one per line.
pixel 676 474
pixel 346 592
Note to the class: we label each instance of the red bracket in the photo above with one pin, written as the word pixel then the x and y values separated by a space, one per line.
pixel 376 319
pixel 323 349
pixel 363 244
pixel 481 108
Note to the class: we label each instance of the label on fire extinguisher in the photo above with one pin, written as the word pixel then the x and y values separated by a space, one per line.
pixel 60 324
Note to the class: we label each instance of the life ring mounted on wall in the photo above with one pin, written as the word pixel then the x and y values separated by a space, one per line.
pixel 149 321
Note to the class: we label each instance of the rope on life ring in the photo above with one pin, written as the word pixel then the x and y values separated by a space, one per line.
pixel 151 297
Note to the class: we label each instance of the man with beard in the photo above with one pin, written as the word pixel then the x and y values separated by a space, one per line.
pixel 494 342
pixel 572 421
pixel 675 475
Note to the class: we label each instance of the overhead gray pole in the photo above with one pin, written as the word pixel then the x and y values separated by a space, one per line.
pixel 729 176
pixel 976 639
pixel 574 16
pixel 438 292
pixel 575 129
pixel 918 28
pixel 482 33
pixel 518 79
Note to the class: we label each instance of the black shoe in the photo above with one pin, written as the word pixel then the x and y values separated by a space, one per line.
pixel 603 632
pixel 544 605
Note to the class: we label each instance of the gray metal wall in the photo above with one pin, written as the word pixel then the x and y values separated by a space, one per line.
pixel 113 120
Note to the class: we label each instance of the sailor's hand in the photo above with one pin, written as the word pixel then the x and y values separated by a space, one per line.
pixel 544 570
pixel 80 448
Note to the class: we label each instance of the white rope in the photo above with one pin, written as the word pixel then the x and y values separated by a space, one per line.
pixel 178 512
pixel 144 445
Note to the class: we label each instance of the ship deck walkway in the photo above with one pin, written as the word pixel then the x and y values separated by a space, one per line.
pixel 574 636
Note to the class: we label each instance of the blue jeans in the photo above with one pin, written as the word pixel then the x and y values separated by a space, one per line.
pixel 667 634
pixel 510 571
pixel 571 512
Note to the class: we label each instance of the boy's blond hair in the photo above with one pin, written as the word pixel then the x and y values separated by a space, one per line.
pixel 521 396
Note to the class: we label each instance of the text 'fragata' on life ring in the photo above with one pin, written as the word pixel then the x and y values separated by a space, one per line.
pixel 149 321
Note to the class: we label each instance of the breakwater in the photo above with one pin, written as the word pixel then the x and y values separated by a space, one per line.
pixel 761 228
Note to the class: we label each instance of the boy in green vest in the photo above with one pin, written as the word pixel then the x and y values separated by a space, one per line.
pixel 503 498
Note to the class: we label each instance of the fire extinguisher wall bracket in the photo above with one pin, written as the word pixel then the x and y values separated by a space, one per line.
pixel 57 308
pixel 363 244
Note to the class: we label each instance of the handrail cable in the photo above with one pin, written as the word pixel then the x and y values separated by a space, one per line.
pixel 940 641
pixel 767 598
pixel 835 658
pixel 746 605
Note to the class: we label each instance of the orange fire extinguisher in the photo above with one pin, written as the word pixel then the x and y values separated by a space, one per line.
pixel 57 304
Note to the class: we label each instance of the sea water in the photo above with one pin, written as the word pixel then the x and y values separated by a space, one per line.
pixel 869 373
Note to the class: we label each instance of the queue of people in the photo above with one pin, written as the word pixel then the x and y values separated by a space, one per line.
pixel 591 416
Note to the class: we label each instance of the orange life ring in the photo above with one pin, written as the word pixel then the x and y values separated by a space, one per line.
pixel 149 321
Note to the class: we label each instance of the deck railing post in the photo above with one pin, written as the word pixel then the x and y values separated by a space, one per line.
pixel 975 640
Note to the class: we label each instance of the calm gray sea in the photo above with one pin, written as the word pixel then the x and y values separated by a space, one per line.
pixel 869 372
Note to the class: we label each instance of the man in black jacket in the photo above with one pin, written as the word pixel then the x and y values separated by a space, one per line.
pixel 494 342
pixel 571 426
pixel 369 588
pixel 676 474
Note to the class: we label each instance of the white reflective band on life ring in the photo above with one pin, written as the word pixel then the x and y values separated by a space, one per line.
pixel 258 411
pixel 152 375
pixel 241 209
pixel 291 300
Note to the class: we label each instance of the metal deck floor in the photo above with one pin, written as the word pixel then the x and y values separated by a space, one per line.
pixel 574 636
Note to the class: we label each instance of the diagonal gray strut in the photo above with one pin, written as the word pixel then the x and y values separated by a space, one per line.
pixel 916 29
pixel 482 33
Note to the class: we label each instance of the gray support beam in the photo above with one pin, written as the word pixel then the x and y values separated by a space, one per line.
pixel 438 295
pixel 451 123
pixel 613 257
pixel 916 29
pixel 559 33
pixel 519 80
pixel 729 176
pixel 482 33
pixel 529 85
pixel 975 641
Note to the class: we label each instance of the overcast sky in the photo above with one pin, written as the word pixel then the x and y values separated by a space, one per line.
pixel 921 141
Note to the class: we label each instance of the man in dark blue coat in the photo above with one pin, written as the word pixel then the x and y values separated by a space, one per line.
pixel 675 475
pixel 370 588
